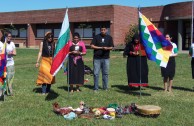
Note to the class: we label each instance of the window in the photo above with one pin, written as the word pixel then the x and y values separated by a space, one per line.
pixel 80 31
pixel 84 32
pixel 56 32
pixel 88 32
pixel 97 31
pixel 161 30
pixel 14 32
pixel 23 33
pixel 41 29
pixel 90 29
pixel 41 32
pixel 17 31
pixel 186 35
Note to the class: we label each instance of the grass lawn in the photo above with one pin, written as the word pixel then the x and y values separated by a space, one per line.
pixel 27 107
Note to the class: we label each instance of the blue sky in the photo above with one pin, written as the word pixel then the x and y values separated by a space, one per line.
pixel 23 5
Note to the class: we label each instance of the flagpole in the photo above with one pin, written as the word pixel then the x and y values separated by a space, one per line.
pixel 139 53
pixel 192 24
pixel 68 69
pixel 5 79
pixel 68 75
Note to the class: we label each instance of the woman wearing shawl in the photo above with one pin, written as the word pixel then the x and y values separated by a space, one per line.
pixel 47 47
pixel 137 68
pixel 76 65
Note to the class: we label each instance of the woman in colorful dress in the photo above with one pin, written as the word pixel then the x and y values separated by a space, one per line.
pixel 169 72
pixel 137 68
pixel 76 65
pixel 46 51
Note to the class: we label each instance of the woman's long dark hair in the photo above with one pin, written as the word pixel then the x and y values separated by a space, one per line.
pixel 48 35
pixel 136 36
pixel 3 36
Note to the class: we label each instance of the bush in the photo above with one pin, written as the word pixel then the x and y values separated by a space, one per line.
pixel 133 29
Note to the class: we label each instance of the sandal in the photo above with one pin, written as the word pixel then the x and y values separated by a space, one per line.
pixel 78 90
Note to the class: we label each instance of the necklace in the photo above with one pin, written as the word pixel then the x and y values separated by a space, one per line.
pixel 50 48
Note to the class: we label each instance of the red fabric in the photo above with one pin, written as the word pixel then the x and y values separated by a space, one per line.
pixel 58 59
pixel 138 84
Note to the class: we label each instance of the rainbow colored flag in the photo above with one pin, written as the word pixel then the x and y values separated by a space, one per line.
pixel 157 48
pixel 3 64
pixel 62 47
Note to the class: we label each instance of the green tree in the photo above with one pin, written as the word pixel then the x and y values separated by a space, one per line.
pixel 133 29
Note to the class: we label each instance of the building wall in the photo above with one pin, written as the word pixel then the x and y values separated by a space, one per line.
pixel 120 17
pixel 174 11
pixel 123 17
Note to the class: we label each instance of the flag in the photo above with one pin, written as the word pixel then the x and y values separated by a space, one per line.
pixel 157 48
pixel 3 71
pixel 62 47
pixel 3 64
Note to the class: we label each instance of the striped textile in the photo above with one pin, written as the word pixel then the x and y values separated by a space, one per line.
pixel 44 75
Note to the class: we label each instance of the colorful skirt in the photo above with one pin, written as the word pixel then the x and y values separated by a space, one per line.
pixel 44 76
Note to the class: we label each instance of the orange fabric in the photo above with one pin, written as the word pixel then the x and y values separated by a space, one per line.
pixel 142 50
pixel 44 75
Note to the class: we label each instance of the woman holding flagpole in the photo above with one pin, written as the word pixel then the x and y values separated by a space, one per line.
pixel 76 65
pixel 46 51
pixel 169 72
pixel 137 68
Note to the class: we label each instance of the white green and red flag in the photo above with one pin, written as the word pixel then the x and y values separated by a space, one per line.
pixel 62 47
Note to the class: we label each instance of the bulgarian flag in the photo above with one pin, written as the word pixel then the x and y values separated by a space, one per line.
pixel 62 47
pixel 157 48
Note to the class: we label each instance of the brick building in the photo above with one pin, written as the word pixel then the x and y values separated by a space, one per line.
pixel 29 27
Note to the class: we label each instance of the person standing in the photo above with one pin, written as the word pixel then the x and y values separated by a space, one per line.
pixel 10 52
pixel 77 50
pixel 46 51
pixel 169 72
pixel 137 67
pixel 191 53
pixel 102 44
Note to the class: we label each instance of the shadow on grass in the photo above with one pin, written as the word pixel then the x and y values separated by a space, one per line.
pixel 182 88
pixel 37 90
pixel 85 86
pixel 89 86
pixel 147 116
pixel 174 87
pixel 63 88
pixel 155 88
pixel 130 90
pixel 51 95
